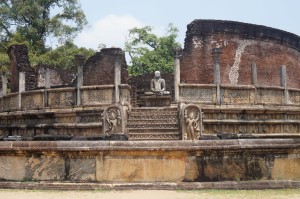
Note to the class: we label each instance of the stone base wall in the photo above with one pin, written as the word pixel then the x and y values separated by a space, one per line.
pixel 177 161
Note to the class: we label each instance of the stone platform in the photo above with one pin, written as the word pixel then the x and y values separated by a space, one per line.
pixel 156 100
pixel 150 161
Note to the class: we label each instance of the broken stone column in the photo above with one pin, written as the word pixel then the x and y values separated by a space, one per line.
pixel 79 60
pixel 4 84
pixel 21 88
pixel 254 74
pixel 216 52
pixel 117 80
pixel 18 55
pixel 283 84
pixel 178 52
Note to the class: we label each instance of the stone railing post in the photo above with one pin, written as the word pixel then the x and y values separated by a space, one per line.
pixel 79 59
pixel 216 52
pixel 283 84
pixel 117 80
pixel 254 80
pixel 21 88
pixel 177 52
pixel 254 74
pixel 47 86
pixel 4 84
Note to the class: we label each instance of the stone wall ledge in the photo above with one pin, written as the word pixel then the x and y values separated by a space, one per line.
pixel 97 87
pixel 201 145
pixel 241 185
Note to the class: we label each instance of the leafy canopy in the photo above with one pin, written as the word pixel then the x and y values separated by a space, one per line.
pixel 150 52
pixel 32 22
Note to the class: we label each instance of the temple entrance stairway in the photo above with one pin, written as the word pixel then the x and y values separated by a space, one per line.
pixel 154 123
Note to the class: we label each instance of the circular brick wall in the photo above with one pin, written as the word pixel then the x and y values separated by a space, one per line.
pixel 242 44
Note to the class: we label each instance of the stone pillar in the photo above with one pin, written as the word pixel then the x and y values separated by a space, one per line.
pixel 283 84
pixel 21 88
pixel 254 74
pixel 47 86
pixel 216 52
pixel 79 60
pixel 47 79
pixel 177 52
pixel 117 79
pixel 4 84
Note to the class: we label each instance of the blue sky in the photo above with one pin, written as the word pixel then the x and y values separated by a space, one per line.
pixel 110 20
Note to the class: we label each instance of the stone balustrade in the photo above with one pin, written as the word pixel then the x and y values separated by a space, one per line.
pixel 238 94
pixel 100 95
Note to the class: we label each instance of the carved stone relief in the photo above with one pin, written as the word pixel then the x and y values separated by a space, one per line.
pixel 32 101
pixel 271 96
pixel 113 121
pixel 196 94
pixel 10 103
pixel 103 96
pixel 61 99
pixel 191 122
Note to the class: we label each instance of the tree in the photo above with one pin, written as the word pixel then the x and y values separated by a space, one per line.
pixel 31 22
pixel 35 20
pixel 149 52
pixel 62 57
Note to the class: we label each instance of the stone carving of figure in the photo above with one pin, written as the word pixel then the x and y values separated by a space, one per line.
pixel 113 121
pixel 158 85
pixel 192 128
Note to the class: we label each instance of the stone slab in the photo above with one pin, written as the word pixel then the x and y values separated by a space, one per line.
pixel 45 168
pixel 156 100
pixel 82 169
pixel 12 167
pixel 286 169
pixel 140 169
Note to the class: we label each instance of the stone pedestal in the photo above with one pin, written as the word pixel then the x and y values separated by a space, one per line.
pixel 156 100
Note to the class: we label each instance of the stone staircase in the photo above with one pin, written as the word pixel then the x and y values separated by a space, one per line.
pixel 153 123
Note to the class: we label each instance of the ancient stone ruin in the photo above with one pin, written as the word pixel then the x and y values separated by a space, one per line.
pixel 229 112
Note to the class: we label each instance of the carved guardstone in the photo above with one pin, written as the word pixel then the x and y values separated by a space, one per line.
pixel 191 121
pixel 114 126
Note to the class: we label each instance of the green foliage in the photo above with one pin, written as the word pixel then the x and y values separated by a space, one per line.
pixel 62 56
pixel 149 52
pixel 35 20
pixel 31 22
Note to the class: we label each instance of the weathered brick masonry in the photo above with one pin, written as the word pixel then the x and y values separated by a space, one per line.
pixel 242 44
pixel 99 69
pixel 18 55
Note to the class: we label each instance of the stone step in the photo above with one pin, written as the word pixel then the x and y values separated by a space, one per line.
pixel 152 121
pixel 153 130
pixel 154 136
pixel 155 111
pixel 153 117
pixel 151 126
pixel 141 114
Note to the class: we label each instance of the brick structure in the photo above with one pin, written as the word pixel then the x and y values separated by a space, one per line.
pixel 242 44
pixel 99 69
pixel 58 77
pixel 18 55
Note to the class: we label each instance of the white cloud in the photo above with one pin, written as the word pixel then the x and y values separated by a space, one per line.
pixel 111 30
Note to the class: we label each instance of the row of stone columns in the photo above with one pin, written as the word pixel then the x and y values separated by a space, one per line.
pixel 216 52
